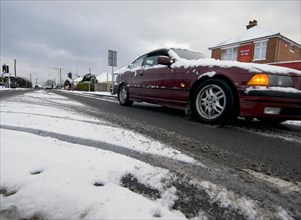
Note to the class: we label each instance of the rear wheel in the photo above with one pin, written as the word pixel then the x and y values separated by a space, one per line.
pixel 214 102
pixel 123 96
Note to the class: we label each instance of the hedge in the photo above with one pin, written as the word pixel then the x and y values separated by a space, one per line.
pixel 85 86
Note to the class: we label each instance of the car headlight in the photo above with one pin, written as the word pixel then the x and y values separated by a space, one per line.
pixel 283 81
pixel 263 79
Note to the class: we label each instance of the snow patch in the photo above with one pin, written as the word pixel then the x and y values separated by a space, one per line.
pixel 272 88
pixel 47 174
pixel 209 74
pixel 41 112
pixel 284 186
pixel 247 207
pixel 229 199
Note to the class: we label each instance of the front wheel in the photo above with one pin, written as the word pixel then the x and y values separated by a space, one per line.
pixel 123 96
pixel 214 102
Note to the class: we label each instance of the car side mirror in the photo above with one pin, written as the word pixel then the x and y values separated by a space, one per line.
pixel 164 60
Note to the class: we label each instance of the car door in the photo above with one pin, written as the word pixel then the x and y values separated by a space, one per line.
pixel 134 70
pixel 155 80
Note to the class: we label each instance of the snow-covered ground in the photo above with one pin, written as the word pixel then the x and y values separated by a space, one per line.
pixel 56 179
pixel 47 177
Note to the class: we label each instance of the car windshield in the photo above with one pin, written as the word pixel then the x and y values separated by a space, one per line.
pixel 189 55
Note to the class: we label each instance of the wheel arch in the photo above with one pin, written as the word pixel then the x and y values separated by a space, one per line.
pixel 119 85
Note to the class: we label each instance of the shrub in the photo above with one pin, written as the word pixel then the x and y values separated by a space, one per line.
pixel 67 83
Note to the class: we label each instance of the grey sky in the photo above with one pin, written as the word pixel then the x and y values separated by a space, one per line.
pixel 42 35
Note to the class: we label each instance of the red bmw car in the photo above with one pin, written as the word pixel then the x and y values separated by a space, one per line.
pixel 215 91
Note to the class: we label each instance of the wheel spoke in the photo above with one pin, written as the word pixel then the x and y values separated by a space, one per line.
pixel 218 108
pixel 208 111
pixel 204 100
pixel 208 93
pixel 219 95
pixel 211 92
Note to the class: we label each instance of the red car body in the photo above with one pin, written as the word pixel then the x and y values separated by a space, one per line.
pixel 175 78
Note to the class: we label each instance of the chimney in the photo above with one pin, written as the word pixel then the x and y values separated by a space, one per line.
pixel 251 24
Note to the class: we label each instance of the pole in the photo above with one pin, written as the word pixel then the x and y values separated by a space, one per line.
pixel 15 67
pixel 3 71
pixel 112 90
pixel 8 80
pixel 60 77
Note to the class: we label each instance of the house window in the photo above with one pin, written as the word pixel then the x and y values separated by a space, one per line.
pixel 292 48
pixel 229 53
pixel 260 50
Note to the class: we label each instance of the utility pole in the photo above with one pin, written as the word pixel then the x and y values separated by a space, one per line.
pixel 60 77
pixel 15 67
pixel 59 74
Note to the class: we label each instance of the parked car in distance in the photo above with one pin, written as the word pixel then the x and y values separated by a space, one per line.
pixel 215 91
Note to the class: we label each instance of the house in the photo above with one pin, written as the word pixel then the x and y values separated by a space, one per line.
pixel 259 45
pixel 8 81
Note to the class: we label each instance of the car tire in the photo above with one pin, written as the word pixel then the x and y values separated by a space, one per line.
pixel 214 103
pixel 123 96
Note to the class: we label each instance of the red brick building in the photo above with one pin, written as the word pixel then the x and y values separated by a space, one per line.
pixel 259 45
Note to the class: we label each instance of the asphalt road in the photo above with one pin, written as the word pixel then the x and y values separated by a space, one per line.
pixel 275 150
pixel 231 152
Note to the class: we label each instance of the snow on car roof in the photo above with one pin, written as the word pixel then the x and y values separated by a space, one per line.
pixel 251 67
pixel 210 62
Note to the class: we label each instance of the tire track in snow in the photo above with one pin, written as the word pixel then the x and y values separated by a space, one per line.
pixel 228 183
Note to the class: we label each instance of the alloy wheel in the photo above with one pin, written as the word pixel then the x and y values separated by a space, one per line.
pixel 211 101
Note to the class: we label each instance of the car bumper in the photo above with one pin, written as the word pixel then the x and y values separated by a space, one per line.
pixel 259 103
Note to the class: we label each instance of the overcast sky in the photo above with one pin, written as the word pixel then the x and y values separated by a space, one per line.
pixel 76 35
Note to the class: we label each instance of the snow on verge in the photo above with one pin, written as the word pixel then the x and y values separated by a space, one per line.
pixel 55 180
pixel 52 179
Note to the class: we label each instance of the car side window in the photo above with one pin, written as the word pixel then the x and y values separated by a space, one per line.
pixel 137 63
pixel 152 58
pixel 151 61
